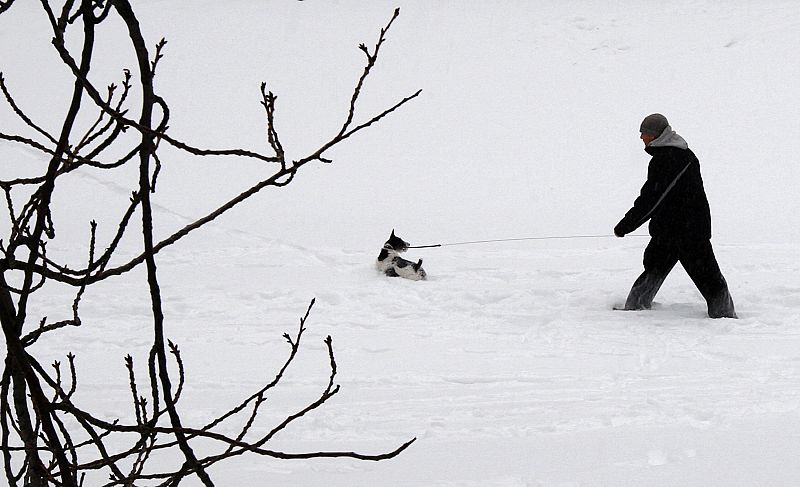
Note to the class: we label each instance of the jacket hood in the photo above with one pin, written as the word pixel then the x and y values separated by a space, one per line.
pixel 669 138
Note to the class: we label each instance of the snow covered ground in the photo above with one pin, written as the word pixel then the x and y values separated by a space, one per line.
pixel 508 364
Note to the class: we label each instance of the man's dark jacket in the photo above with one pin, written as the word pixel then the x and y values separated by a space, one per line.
pixel 673 197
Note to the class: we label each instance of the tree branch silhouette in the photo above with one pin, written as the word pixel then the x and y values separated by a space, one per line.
pixel 47 437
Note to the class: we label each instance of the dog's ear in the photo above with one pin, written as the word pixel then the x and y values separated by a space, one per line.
pixel 417 265
pixel 392 233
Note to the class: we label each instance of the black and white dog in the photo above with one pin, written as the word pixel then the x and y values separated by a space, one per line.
pixel 390 263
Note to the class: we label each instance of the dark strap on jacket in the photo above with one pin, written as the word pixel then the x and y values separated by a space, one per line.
pixel 664 195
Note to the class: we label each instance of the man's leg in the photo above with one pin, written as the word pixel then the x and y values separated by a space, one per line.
pixel 703 269
pixel 658 261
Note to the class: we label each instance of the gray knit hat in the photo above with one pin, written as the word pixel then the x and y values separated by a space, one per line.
pixel 654 124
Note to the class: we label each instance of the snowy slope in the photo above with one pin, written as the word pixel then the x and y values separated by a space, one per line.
pixel 507 364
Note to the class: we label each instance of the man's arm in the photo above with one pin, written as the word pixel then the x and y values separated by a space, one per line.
pixel 644 204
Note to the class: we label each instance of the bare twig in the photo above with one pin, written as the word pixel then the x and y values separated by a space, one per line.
pixel 21 114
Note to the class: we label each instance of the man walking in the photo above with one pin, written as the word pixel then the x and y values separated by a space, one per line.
pixel 674 200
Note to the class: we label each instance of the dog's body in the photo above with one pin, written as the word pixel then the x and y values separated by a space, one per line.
pixel 390 263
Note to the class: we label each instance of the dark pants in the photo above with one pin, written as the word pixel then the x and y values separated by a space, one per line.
pixel 697 258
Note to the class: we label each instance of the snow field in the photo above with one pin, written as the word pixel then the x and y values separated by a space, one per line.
pixel 508 364
pixel 505 373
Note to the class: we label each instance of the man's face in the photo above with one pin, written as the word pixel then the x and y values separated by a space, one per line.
pixel 647 138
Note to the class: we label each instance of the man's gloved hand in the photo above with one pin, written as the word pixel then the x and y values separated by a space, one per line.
pixel 618 232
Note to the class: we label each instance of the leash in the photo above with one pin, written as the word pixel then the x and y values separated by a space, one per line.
pixel 552 237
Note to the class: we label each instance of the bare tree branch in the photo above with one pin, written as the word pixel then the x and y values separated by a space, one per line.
pixel 46 438
pixel 20 113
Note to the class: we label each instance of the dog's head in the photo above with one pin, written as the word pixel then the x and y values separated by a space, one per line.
pixel 396 243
